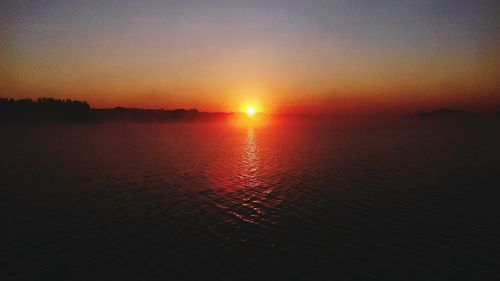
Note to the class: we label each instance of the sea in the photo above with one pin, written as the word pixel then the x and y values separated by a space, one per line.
pixel 284 200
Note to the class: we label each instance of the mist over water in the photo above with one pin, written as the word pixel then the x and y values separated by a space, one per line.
pixel 293 201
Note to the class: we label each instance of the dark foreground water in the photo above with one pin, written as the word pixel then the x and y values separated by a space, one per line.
pixel 405 201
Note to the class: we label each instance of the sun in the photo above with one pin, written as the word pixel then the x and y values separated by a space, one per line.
pixel 250 111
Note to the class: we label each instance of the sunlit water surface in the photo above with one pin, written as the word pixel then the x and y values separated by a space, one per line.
pixel 298 201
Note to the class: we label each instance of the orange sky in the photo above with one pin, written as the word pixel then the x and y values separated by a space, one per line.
pixel 346 57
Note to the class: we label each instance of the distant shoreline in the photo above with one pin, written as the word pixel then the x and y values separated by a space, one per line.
pixel 45 110
pixel 49 110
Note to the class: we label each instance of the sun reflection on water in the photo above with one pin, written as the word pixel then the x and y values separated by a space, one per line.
pixel 250 160
pixel 240 187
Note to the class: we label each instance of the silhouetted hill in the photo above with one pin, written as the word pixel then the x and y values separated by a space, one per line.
pixel 444 113
pixel 495 113
pixel 50 110
pixel 120 114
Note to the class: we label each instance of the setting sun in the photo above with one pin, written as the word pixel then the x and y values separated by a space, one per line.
pixel 250 110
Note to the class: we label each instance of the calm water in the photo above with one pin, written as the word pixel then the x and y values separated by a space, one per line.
pixel 405 201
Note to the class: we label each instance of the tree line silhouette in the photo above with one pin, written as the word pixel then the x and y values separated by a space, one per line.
pixel 43 110
pixel 49 110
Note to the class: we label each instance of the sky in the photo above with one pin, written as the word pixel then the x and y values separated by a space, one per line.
pixel 345 57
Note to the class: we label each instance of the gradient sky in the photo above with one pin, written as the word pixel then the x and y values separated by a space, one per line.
pixel 284 56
